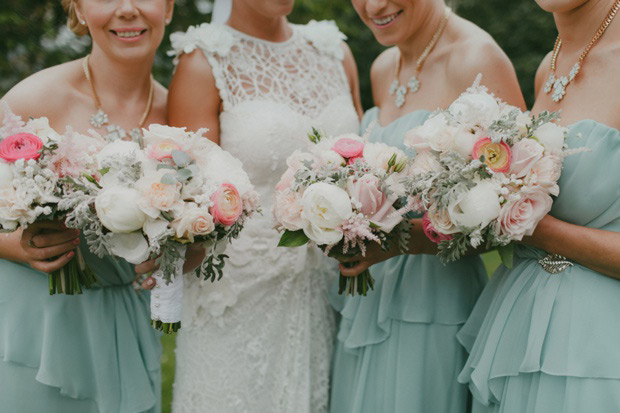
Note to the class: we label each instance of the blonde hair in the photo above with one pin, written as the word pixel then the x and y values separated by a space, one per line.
pixel 73 22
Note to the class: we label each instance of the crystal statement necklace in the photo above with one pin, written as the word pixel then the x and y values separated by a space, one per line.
pixel 100 119
pixel 557 85
pixel 413 85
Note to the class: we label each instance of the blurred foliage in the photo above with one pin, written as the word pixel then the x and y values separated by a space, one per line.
pixel 34 36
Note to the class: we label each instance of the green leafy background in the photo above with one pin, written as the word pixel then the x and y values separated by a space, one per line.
pixel 33 37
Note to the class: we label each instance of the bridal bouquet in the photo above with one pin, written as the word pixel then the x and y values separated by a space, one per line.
pixel 484 173
pixel 36 165
pixel 343 194
pixel 181 188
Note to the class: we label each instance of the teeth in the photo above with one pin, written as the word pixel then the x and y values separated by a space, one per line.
pixel 129 34
pixel 385 20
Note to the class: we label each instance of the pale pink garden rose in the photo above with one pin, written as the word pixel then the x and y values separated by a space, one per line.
pixel 286 179
pixel 435 129
pixel 373 203
pixel 520 217
pixel 431 233
pixel 20 146
pixel 424 162
pixel 251 201
pixel 525 153
pixel 287 210
pixel 156 196
pixel 545 173
pixel 440 220
pixel 194 221
pixel 348 148
pixel 298 158
pixel 227 205
pixel 162 150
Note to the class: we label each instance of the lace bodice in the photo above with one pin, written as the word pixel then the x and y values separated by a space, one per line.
pixel 262 335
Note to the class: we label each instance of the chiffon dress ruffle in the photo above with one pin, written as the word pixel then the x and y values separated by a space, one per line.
pixel 396 349
pixel 544 342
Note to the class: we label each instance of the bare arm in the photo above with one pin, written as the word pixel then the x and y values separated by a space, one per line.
pixel 350 69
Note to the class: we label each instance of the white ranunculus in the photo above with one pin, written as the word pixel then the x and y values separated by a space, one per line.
pixel 551 136
pixel 6 175
pixel 324 209
pixel 117 208
pixel 132 247
pixel 477 207
pixel 377 155
pixel 475 109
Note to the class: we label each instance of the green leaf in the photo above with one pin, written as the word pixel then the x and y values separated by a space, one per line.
pixel 180 158
pixel 104 171
pixel 183 174
pixel 293 238
pixel 169 179
pixel 165 166
pixel 166 216
pixel 506 254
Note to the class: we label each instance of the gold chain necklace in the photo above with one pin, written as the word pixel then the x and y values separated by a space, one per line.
pixel 100 118
pixel 413 85
pixel 558 85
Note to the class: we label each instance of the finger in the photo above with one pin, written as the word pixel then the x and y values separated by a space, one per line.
pixel 146 267
pixel 47 225
pixel 43 240
pixel 347 259
pixel 43 254
pixel 148 284
pixel 49 266
pixel 353 270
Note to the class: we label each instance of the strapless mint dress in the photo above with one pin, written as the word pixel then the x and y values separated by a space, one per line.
pixel 396 348
pixel 94 352
pixel 544 342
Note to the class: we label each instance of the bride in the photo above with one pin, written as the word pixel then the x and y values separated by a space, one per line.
pixel 260 339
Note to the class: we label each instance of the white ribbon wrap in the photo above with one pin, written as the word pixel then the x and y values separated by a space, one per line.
pixel 167 299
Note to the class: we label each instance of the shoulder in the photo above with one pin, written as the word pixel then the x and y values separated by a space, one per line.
pixel 382 71
pixel 542 73
pixel 325 36
pixel 210 38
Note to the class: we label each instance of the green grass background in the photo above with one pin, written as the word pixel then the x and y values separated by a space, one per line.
pixel 491 261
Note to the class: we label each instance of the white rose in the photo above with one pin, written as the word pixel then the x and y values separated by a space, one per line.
pixel 551 136
pixel 6 175
pixel 194 221
pixel 324 209
pixel 475 109
pixel 132 247
pixel 377 155
pixel 464 142
pixel 162 133
pixel 477 207
pixel 117 208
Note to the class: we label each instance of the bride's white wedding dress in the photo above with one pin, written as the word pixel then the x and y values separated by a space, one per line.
pixel 260 339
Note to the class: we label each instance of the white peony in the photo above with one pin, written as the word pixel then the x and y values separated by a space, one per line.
pixel 331 159
pixel 221 167
pixel 117 209
pixel 132 247
pixel 324 209
pixel 477 207
pixel 475 109
pixel 464 142
pixel 6 175
pixel 551 136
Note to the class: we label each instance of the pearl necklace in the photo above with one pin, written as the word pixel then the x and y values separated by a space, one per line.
pixel 413 85
pixel 101 119
pixel 557 85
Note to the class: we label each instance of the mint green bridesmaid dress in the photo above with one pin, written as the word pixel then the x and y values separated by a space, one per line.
pixel 396 348
pixel 544 342
pixel 94 352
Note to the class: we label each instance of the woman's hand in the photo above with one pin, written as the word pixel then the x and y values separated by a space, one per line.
pixel 355 265
pixel 194 254
pixel 48 245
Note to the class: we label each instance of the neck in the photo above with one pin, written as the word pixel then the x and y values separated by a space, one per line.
pixel 273 29
pixel 412 47
pixel 577 26
pixel 119 81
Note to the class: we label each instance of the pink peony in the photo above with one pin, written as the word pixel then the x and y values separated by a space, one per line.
pixel 20 146
pixel 227 205
pixel 348 148
pixel 431 233
pixel 520 217
pixel 373 202
pixel 497 155
pixel 525 154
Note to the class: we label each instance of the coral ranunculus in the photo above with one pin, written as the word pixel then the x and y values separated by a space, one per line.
pixel 348 148
pixel 227 205
pixel 20 146
pixel 497 156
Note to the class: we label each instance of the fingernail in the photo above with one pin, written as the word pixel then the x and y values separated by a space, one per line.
pixel 70 254
pixel 150 282
pixel 76 241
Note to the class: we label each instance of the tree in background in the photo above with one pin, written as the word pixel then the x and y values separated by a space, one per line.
pixel 34 35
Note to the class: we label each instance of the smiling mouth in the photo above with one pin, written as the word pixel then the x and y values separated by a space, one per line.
pixel 384 21
pixel 128 34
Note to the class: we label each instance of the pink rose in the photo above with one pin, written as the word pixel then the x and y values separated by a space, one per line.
pixel 348 148
pixel 373 203
pixel 525 153
pixel 162 150
pixel 194 221
pixel 20 146
pixel 227 205
pixel 431 233
pixel 520 217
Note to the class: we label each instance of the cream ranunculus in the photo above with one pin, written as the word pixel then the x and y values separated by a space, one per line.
pixel 117 208
pixel 324 209
pixel 475 109
pixel 194 221
pixel 6 175
pixel 132 247
pixel 477 207
pixel 551 136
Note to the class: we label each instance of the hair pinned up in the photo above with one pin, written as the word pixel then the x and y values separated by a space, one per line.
pixel 73 22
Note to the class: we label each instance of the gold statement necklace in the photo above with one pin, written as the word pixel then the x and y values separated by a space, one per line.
pixel 100 118
pixel 413 85
pixel 557 85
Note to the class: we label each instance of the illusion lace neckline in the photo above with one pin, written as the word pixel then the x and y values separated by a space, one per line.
pixel 264 41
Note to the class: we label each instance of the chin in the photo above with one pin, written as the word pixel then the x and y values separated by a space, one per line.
pixel 560 6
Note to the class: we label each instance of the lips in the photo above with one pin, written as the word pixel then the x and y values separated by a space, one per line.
pixel 130 33
pixel 386 20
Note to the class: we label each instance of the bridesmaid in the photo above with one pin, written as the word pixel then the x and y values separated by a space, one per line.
pixel 544 335
pixel 397 349
pixel 93 352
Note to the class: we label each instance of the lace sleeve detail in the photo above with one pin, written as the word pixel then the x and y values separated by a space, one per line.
pixel 325 37
pixel 210 38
